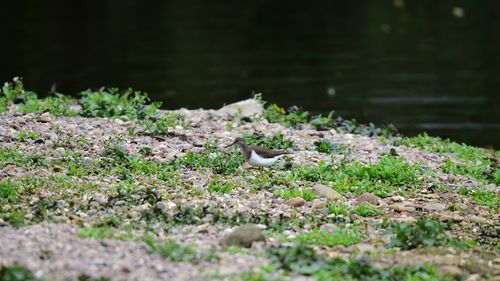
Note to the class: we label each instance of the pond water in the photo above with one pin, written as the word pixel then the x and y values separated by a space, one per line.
pixel 421 65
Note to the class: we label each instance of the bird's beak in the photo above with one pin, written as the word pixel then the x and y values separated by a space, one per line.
pixel 229 145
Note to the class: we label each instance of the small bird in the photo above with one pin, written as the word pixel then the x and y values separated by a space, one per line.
pixel 256 155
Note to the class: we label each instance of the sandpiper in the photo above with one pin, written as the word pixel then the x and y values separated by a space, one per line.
pixel 256 155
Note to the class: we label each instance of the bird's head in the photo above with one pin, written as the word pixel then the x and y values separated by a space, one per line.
pixel 237 141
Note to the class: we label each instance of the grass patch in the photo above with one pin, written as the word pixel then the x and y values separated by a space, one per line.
pixel 24 136
pixel 276 141
pixel 482 196
pixel 305 193
pixel 337 208
pixel 390 175
pixel 9 191
pixel 219 161
pixel 303 259
pixel 17 273
pixel 475 162
pixel 220 187
pixel 324 146
pixel 339 236
pixel 163 125
pixel 180 253
pixel 113 103
pixel 423 233
pixel 366 210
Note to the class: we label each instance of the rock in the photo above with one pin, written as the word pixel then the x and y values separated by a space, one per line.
pixel 327 192
pixel 45 118
pixel 245 108
pixel 450 270
pixel 167 208
pixel 296 202
pixel 449 216
pixel 368 198
pixel 243 236
pixel 480 220
pixel 328 227
pixel 397 198
pixel 100 198
pixel 398 207
pixel 434 207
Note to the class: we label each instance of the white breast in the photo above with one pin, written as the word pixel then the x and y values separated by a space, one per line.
pixel 256 160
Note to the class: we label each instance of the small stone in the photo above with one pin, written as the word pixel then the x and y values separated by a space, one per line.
pixel 450 270
pixel 368 198
pixel 45 118
pixel 449 216
pixel 397 198
pixel 434 207
pixel 328 227
pixel 243 236
pixel 296 202
pixel 56 169
pixel 402 208
pixel 327 192
pixel 100 198
pixel 166 208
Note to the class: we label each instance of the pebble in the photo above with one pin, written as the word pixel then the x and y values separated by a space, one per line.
pixel 434 207
pixel 45 118
pixel 327 192
pixel 328 227
pixel 402 208
pixel 243 236
pixel 296 202
pixel 368 198
pixel 449 216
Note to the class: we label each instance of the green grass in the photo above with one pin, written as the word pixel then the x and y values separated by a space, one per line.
pixel 113 103
pixel 303 259
pixel 305 193
pixel 276 141
pixel 482 196
pixel 24 136
pixel 366 210
pixel 324 146
pixel 9 191
pixel 106 231
pixel 339 236
pixel 163 125
pixel 423 233
pixel 17 273
pixel 226 162
pixel 177 252
pixel 337 208
pixel 220 187
pixel 470 161
pixel 390 175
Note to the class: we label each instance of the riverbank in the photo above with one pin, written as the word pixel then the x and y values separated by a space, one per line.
pixel 109 186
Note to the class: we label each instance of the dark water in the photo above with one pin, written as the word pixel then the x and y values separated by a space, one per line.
pixel 429 65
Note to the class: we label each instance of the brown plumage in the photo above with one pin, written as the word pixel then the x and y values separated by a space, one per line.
pixel 246 150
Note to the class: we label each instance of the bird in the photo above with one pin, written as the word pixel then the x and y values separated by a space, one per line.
pixel 256 155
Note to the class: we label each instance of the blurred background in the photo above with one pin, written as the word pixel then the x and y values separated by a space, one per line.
pixel 423 65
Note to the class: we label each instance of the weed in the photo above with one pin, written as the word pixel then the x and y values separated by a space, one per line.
pixel 177 252
pixel 291 118
pixel 104 232
pixel 277 141
pixel 164 124
pixel 423 233
pixel 17 273
pixel 305 193
pixel 113 103
pixel 215 159
pixel 327 147
pixel 220 187
pixel 337 208
pixel 366 210
pixel 9 191
pixel 482 196
pixel 16 217
pixel 390 174
pixel 302 259
pixel 340 236
pixel 145 151
pixel 23 136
